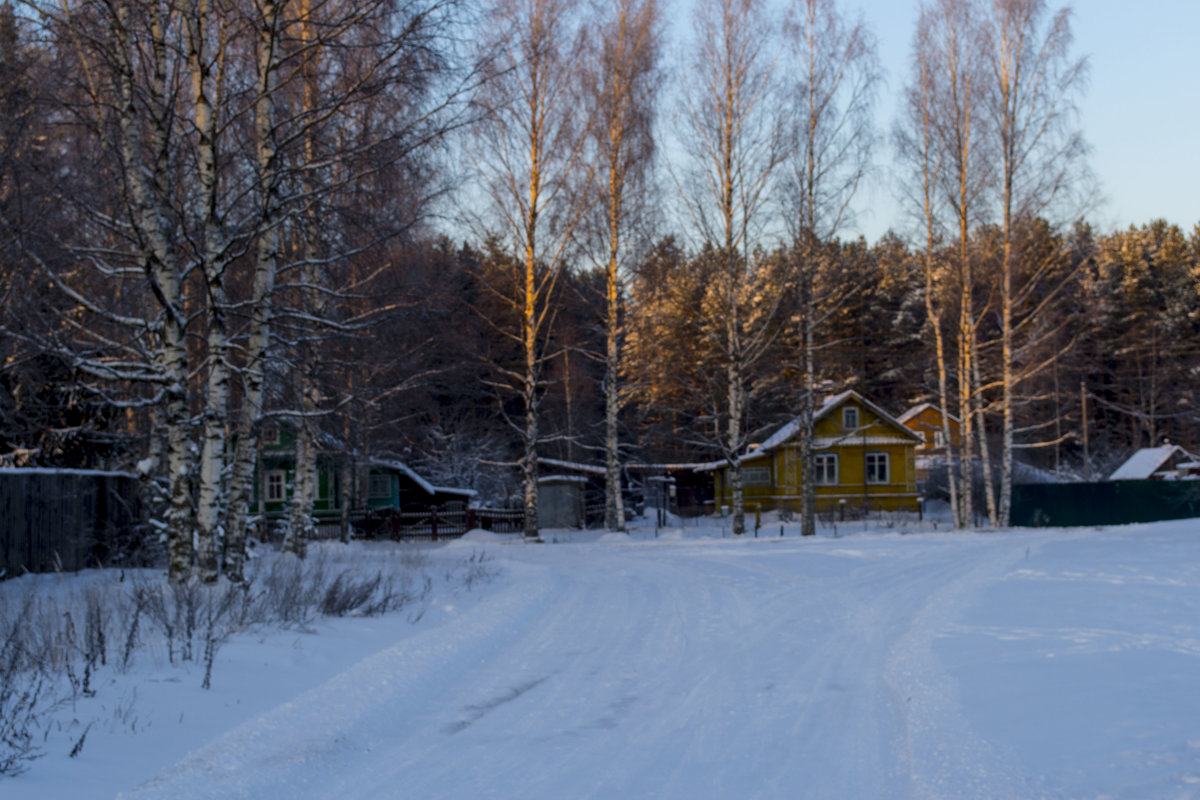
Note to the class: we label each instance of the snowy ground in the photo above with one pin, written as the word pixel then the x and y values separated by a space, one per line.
pixel 877 664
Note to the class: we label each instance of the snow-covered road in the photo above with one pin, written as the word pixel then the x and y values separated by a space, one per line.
pixel 863 667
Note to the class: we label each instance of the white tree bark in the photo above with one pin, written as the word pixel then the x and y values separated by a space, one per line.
pixel 149 187
pixel 211 501
pixel 266 262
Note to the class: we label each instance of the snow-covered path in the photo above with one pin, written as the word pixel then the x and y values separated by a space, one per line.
pixel 828 668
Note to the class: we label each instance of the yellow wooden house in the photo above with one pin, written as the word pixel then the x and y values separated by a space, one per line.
pixel 863 458
pixel 925 420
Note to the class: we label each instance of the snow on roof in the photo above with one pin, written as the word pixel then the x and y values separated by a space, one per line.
pixel 917 409
pixel 400 466
pixel 62 471
pixel 562 479
pixel 682 466
pixel 1145 462
pixel 428 487
pixel 575 466
pixel 455 490
pixel 822 442
pixel 792 428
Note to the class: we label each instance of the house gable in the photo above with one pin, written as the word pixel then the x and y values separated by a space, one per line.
pixel 834 426
pixel 926 420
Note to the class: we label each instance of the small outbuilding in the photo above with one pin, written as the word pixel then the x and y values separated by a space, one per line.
pixel 1165 463
pixel 562 501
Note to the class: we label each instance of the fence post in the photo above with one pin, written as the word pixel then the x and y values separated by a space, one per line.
pixel 433 522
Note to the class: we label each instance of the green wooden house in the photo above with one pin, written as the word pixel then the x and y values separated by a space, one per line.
pixel 388 483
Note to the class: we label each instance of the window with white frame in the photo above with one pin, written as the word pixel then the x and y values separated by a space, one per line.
pixel 756 476
pixel 850 418
pixel 939 438
pixel 379 485
pixel 270 434
pixel 825 469
pixel 276 485
pixel 877 468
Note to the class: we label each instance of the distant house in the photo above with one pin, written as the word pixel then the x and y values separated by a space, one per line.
pixel 388 483
pixel 925 420
pixel 863 457
pixel 1168 462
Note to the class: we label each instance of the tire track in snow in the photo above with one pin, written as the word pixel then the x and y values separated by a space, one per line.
pixel 944 757
pixel 301 747
pixel 796 669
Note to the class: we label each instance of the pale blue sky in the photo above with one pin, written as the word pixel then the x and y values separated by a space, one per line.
pixel 1140 114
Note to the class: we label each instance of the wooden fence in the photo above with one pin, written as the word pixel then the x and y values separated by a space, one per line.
pixel 436 523
pixel 64 519
pixel 432 524
pixel 500 520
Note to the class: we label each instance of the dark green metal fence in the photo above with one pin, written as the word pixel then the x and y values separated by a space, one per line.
pixel 64 519
pixel 1042 505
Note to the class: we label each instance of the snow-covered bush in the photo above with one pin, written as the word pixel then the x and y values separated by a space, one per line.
pixel 58 631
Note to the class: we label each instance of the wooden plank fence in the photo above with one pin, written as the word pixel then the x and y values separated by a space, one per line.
pixel 436 523
pixel 433 524
pixel 64 519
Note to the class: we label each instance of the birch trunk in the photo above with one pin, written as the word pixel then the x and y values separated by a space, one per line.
pixel 345 476
pixel 733 447
pixel 943 393
pixel 966 328
pixel 923 146
pixel 265 265
pixel 532 363
pixel 1033 91
pixel 614 503
pixel 530 144
pixel 148 189
pixel 623 85
pixel 808 401
pixel 985 460
pixel 836 74
pixel 300 527
pixel 211 499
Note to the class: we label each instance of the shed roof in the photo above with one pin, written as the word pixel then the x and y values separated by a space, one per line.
pixel 429 488
pixel 1145 462
pixel 918 409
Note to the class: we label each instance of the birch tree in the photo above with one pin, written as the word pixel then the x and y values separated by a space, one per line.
pixel 528 155
pixel 836 75
pixel 129 79
pixel 951 30
pixel 354 100
pixel 1033 85
pixel 267 193
pixel 917 141
pixel 732 128
pixel 621 81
